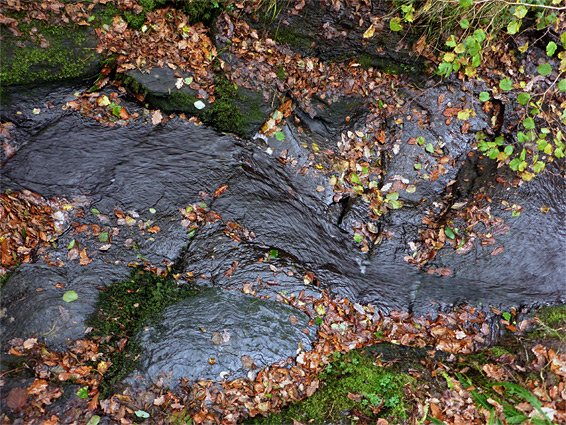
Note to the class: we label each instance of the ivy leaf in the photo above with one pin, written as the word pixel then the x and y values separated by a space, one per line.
pixel 562 85
pixel 395 24
pixel 506 84
pixel 70 296
pixel 523 98
pixel 551 48
pixel 484 96
pixel 544 69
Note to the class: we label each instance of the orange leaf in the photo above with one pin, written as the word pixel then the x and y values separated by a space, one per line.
pixel 220 190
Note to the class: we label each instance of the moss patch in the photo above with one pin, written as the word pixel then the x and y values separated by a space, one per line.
pixel 121 312
pixel 67 52
pixel 354 388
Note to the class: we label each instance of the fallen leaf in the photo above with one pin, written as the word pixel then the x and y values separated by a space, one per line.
pixel 497 251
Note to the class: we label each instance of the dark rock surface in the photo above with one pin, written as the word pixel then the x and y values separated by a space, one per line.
pixel 206 336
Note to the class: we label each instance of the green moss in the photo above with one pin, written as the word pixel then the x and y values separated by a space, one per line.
pixel 123 309
pixel 205 11
pixel 554 317
pixel 70 54
pixel 354 373
pixel 224 113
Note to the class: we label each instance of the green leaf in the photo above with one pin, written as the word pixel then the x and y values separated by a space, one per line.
pixel 95 211
pixel 476 60
pixel 395 24
pixel 191 233
pixel 103 237
pixel 445 68
pixel 82 392
pixel 318 321
pixel 141 414
pixel 508 149
pixel 538 166
pixel 479 35
pixel 544 69
pixel 484 96
pixel 188 80
pixel 563 39
pixel 70 296
pixel 562 85
pixel 71 244
pixel 94 420
pixel 429 148
pixel 358 237
pixel 152 210
pixel 520 12
pixel 449 233
pixel 466 3
pixel 551 48
pixel 514 164
pixel 417 166
pixel 506 84
pixel 513 27
pixel 451 42
pixel 506 315
pixel 354 178
pixel 420 140
pixel 523 154
pixel 523 98
pixel 528 123
pixel 465 24
pixel 273 253
pixel 279 135
pixel 393 196
pixel 522 137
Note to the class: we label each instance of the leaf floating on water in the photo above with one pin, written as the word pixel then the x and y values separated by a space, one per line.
pixel 70 296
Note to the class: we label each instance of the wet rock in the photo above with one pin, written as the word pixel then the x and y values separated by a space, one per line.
pixel 335 35
pixel 33 306
pixel 219 335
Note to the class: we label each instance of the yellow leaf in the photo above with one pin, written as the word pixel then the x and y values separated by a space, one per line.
pixel 369 32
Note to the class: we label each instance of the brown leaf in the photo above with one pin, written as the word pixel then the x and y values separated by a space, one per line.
pixel 220 190
pixel 451 112
pixel 154 229
pixel 17 398
pixel 156 117
pixel 497 251
pixel 293 319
